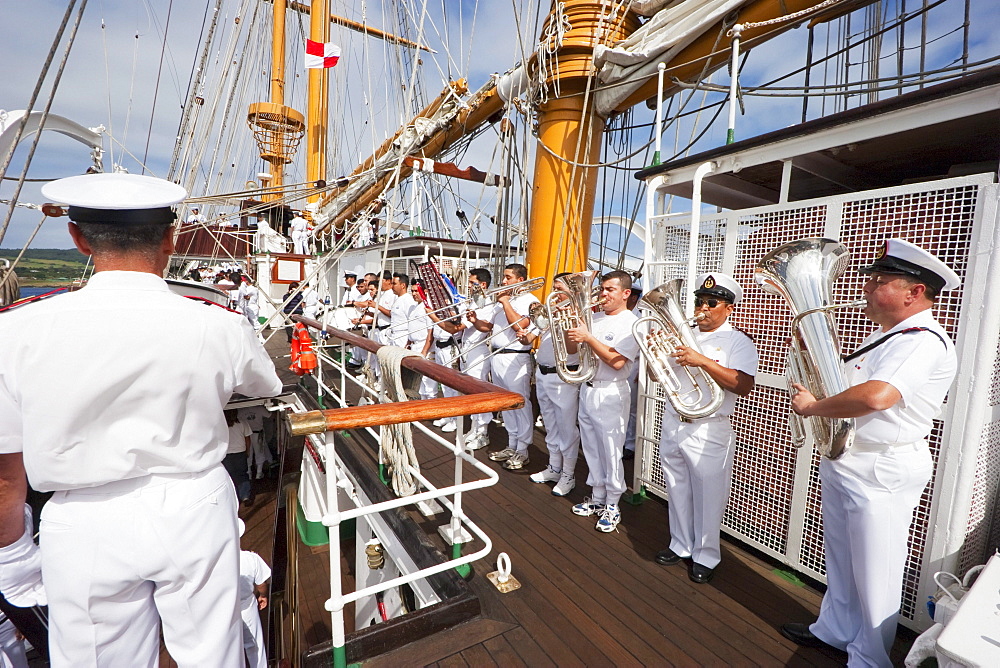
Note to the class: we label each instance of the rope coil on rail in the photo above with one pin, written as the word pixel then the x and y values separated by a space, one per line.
pixel 396 450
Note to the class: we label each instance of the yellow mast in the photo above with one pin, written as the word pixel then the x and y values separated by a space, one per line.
pixel 570 136
pixel 277 128
pixel 319 31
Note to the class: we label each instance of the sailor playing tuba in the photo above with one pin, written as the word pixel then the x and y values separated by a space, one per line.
pixel 897 379
pixel 697 455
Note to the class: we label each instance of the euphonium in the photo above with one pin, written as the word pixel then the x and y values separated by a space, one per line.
pixel 671 330
pixel 566 309
pixel 803 273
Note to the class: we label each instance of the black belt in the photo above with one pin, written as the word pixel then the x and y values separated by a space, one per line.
pixel 511 351
pixel 381 327
pixel 546 370
pixel 450 341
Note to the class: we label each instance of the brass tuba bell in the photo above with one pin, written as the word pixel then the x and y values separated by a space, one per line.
pixel 803 272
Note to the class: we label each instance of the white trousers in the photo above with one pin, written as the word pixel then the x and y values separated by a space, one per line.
pixel 603 416
pixel 121 559
pixel 300 243
pixel 429 386
pixel 251 313
pixel 697 460
pixel 512 371
pixel 253 634
pixel 11 647
pixel 559 403
pixel 446 357
pixel 261 453
pixel 477 364
pixel 868 502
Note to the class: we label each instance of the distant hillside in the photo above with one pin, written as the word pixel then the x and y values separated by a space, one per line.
pixel 65 254
pixel 47 266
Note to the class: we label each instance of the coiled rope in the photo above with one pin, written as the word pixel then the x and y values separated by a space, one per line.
pixel 396 450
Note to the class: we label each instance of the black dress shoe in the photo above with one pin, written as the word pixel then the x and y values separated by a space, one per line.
pixel 801 635
pixel 700 574
pixel 667 557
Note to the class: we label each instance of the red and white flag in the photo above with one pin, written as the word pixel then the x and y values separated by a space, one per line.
pixel 319 54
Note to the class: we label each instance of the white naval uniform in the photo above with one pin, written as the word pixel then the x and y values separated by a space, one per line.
pixel 420 325
pixel 476 361
pixel 253 571
pixel 603 412
pixel 141 529
pixel 512 371
pixel 310 303
pixel 399 325
pixel 299 231
pixel 697 457
pixel 352 295
pixel 559 404
pixel 248 296
pixel 380 327
pixel 869 494
pixel 253 417
pixel 444 350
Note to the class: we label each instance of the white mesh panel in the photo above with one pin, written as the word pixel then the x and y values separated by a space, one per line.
pixel 766 509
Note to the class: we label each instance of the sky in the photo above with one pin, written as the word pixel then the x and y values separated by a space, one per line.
pixel 114 78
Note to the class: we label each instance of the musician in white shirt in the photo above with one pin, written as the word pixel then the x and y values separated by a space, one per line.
pixel 604 401
pixel 559 403
pixel 476 360
pixel 512 366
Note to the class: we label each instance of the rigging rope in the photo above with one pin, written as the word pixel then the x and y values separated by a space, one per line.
pixel 396 440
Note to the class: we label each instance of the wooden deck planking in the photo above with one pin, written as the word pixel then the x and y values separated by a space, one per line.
pixel 589 598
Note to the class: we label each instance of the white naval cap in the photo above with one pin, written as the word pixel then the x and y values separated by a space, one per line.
pixel 116 198
pixel 719 285
pixel 897 256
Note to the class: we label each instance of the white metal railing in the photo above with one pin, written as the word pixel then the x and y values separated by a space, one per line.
pixel 336 478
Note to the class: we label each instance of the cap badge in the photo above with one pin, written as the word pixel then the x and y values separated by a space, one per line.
pixel 883 249
pixel 708 284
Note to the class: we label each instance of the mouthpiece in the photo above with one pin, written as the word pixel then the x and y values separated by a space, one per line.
pixel 699 317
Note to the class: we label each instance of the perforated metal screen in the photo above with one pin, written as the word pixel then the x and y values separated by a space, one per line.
pixel 775 503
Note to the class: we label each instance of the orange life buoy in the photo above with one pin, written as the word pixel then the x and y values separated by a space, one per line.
pixel 303 356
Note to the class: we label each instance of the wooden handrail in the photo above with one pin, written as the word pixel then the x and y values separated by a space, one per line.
pixel 479 396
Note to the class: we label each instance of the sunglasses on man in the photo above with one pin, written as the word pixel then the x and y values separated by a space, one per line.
pixel 712 302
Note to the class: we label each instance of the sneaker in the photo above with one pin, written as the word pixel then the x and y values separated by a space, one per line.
pixel 503 455
pixel 439 422
pixel 610 517
pixel 588 507
pixel 548 475
pixel 516 462
pixel 476 441
pixel 449 426
pixel 565 485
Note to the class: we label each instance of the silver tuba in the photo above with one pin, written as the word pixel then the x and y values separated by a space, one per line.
pixel 803 272
pixel 671 330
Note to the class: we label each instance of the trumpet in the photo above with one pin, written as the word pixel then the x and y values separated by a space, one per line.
pixel 674 330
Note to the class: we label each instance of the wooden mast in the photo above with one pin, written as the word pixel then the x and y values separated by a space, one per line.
pixel 570 136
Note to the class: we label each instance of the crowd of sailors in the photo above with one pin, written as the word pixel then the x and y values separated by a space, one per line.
pixel 898 381
pixel 142 534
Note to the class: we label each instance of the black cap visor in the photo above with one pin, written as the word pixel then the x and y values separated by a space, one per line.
pixel 894 265
pixel 717 291
pixel 162 215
